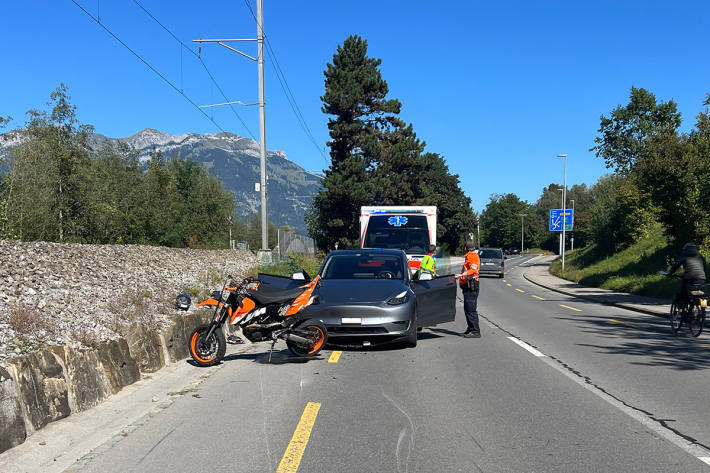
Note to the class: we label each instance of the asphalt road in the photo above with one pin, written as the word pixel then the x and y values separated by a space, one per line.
pixel 548 388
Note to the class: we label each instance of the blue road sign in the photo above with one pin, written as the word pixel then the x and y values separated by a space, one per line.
pixel 556 216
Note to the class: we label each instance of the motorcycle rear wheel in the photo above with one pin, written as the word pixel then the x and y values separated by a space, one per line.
pixel 207 352
pixel 315 331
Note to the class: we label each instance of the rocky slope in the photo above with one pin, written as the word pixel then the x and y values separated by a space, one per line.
pixel 56 294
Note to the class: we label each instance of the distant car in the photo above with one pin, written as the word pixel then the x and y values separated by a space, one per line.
pixel 513 251
pixel 369 296
pixel 492 262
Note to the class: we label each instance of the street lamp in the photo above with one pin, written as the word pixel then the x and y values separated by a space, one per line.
pixel 564 209
pixel 522 232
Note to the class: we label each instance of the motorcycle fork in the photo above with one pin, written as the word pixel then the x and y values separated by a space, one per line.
pixel 213 325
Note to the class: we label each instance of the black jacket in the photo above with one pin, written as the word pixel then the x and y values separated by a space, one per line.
pixel 693 265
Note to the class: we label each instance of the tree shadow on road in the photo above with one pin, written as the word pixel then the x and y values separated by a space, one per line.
pixel 649 339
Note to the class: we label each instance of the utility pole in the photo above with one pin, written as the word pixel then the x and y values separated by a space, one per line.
pixel 478 231
pixel 262 105
pixel 522 232
pixel 262 122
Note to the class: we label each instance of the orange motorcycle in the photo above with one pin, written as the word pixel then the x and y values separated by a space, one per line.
pixel 265 312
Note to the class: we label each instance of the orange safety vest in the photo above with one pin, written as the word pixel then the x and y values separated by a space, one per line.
pixel 470 267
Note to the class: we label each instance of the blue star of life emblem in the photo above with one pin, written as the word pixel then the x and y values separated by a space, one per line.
pixel 397 220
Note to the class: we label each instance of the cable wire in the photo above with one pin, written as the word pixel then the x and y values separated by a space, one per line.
pixel 285 87
pixel 199 58
pixel 148 65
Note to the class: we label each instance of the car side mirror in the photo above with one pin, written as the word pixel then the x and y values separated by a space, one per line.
pixel 439 253
pixel 298 276
pixel 505 257
pixel 426 277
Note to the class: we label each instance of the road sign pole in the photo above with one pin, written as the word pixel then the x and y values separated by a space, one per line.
pixel 564 210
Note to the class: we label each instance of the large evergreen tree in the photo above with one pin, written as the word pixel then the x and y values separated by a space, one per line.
pixel 376 158
pixel 355 97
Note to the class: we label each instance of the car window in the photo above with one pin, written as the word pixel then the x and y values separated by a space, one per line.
pixel 410 234
pixel 363 266
pixel 491 254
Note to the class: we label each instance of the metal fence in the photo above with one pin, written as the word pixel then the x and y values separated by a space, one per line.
pixel 292 242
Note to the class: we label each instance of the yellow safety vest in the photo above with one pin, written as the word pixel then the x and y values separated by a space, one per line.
pixel 428 265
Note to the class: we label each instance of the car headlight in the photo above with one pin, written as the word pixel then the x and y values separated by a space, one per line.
pixel 400 298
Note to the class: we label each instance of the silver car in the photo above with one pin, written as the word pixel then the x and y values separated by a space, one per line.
pixel 492 261
pixel 369 297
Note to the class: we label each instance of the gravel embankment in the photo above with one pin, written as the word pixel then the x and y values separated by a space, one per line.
pixel 56 294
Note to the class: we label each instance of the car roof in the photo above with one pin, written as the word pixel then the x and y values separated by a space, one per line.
pixel 492 249
pixel 382 251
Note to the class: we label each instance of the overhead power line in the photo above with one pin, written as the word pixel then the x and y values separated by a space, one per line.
pixel 199 58
pixel 167 81
pixel 287 90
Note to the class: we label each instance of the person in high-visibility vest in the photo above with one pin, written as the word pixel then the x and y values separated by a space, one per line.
pixel 428 263
pixel 468 280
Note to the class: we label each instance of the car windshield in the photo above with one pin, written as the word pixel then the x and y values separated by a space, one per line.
pixel 363 266
pixel 491 254
pixel 409 233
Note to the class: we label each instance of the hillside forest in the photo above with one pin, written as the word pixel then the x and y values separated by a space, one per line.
pixel 55 187
pixel 659 179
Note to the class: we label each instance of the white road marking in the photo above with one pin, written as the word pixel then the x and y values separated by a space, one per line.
pixel 704 460
pixel 521 343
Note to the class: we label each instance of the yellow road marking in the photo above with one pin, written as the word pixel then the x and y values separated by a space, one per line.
pixel 538 297
pixel 294 452
pixel 335 356
pixel 570 308
pixel 628 324
pixel 504 280
pixel 509 285
pixel 519 290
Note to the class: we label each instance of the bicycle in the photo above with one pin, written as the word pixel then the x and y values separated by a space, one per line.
pixel 691 311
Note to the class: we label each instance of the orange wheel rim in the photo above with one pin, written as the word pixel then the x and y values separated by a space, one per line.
pixel 319 341
pixel 193 349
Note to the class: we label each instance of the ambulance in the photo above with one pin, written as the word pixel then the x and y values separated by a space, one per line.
pixel 409 228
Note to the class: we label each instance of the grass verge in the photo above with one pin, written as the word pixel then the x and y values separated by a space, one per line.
pixel 537 251
pixel 634 270
pixel 293 263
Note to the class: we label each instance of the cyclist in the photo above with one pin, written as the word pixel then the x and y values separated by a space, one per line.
pixel 693 271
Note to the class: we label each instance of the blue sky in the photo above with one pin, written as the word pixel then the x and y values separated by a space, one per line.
pixel 498 88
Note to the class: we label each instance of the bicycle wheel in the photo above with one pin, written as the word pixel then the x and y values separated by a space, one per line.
pixel 675 318
pixel 696 320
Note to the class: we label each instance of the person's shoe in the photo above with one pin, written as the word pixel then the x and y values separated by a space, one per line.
pixel 472 335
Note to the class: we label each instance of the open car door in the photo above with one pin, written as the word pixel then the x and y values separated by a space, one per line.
pixel 436 300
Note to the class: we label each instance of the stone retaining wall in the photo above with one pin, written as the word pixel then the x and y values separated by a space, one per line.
pixel 58 381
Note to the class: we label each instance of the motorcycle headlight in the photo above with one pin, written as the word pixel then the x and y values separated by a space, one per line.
pixel 400 298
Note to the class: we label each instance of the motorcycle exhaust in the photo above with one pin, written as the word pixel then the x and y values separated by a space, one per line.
pixel 289 337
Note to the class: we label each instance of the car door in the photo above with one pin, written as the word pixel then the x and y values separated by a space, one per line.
pixel 436 300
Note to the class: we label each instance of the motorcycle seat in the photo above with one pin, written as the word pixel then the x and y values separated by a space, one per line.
pixel 266 297
pixel 697 293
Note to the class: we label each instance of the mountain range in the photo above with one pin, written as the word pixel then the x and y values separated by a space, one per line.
pixel 234 160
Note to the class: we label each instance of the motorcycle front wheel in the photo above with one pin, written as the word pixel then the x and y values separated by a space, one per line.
pixel 207 351
pixel 315 332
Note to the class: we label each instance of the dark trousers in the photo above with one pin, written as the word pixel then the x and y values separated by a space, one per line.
pixel 470 305
pixel 689 285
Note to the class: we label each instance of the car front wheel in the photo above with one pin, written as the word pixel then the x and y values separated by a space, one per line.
pixel 412 338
